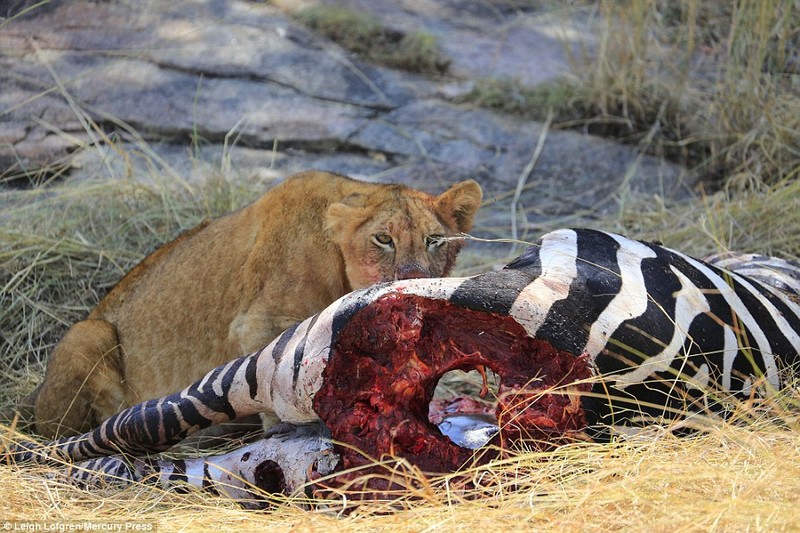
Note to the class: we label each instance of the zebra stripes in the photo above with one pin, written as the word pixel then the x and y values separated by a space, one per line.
pixel 665 335
pixel 279 464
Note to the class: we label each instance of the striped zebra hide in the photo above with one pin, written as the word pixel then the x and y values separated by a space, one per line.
pixel 586 330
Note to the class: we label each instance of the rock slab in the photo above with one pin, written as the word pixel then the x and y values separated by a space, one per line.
pixel 181 89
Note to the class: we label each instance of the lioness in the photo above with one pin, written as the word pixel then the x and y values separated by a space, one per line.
pixel 228 287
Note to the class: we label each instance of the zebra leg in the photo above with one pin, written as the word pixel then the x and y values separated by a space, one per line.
pixel 266 382
pixel 284 463
pixel 278 381
pixel 245 430
pixel 156 425
pixel 772 271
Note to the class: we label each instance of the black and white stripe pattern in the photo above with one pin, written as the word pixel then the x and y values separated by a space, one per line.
pixel 279 464
pixel 662 328
pixel 666 335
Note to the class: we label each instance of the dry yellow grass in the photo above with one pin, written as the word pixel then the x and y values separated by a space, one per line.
pixel 765 221
pixel 731 479
pixel 736 477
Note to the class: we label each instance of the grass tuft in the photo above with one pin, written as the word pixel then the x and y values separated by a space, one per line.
pixel 510 96
pixel 759 221
pixel 366 37
pixel 720 81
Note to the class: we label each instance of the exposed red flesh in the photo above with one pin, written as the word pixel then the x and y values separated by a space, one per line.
pixel 385 365
pixel 485 385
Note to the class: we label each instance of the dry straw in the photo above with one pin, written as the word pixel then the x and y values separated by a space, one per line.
pixel 61 247
pixel 732 478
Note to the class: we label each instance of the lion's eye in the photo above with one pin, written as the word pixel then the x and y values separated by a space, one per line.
pixel 432 241
pixel 383 240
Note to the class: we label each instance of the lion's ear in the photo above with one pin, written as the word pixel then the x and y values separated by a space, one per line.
pixel 462 201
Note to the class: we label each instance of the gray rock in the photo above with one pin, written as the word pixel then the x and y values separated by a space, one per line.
pixel 195 88
pixel 491 39
pixel 500 147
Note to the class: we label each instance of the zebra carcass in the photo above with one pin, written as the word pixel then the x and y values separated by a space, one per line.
pixel 586 330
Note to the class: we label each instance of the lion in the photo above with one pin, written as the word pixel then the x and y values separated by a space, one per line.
pixel 230 286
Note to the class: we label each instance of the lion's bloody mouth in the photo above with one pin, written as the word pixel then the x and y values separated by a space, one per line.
pixel 385 365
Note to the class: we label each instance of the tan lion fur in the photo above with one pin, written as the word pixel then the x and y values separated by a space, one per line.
pixel 228 287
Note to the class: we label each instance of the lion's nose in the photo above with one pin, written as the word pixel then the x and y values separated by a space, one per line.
pixel 411 271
